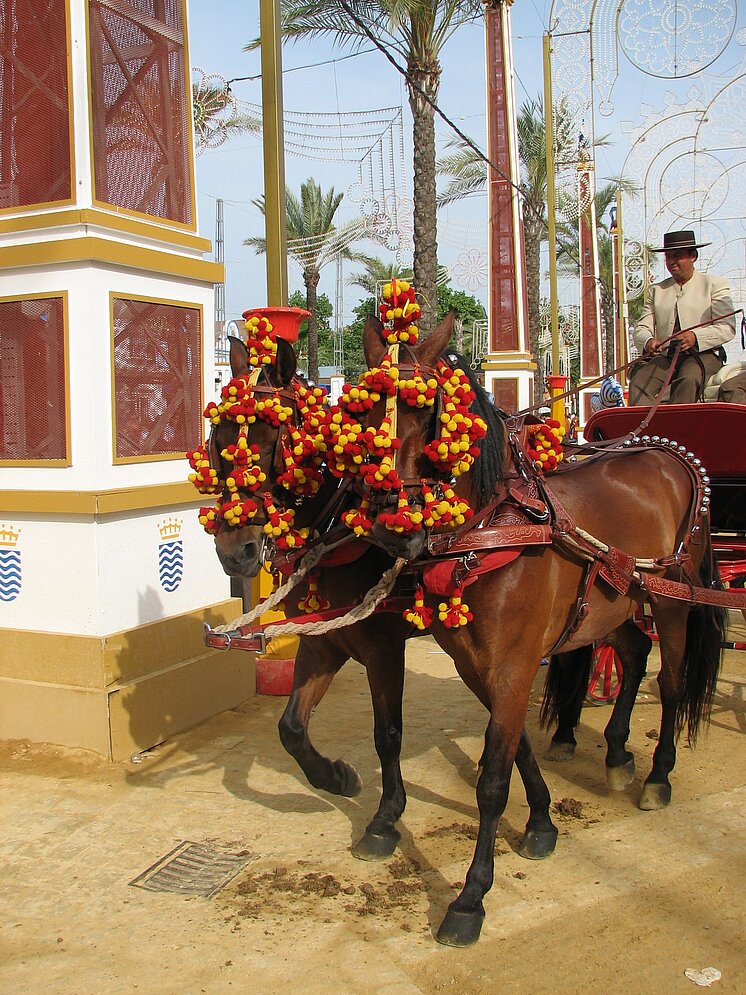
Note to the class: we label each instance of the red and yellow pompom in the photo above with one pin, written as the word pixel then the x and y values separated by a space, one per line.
pixel 359 519
pixel 313 600
pixel 398 311
pixel 405 519
pixel 280 527
pixel 419 615
pixel 204 478
pixel 545 444
pixel 455 612
pixel 209 519
pixel 261 343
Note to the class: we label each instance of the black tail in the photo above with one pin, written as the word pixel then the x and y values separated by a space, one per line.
pixel 565 687
pixel 705 634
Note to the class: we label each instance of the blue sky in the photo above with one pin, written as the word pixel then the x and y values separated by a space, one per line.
pixel 317 79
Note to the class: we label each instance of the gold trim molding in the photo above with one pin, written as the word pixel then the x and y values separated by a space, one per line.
pixel 110 502
pixel 91 249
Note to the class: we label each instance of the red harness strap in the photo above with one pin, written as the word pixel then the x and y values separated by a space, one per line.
pixel 449 576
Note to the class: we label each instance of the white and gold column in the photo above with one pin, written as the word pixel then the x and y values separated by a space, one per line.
pixel 106 318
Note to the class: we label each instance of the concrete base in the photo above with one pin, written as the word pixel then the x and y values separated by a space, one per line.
pixel 120 694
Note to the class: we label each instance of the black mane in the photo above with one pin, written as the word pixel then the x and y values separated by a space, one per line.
pixel 488 466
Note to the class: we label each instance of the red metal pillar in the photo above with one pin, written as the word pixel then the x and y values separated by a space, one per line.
pixel 591 350
pixel 509 365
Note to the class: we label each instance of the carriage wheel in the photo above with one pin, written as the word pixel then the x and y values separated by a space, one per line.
pixel 606 675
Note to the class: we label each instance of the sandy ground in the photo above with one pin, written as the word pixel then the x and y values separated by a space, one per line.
pixel 628 901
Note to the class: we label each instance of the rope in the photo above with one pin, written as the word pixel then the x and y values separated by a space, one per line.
pixel 642 563
pixel 366 607
pixel 307 564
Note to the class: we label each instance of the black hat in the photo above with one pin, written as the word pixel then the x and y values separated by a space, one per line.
pixel 680 240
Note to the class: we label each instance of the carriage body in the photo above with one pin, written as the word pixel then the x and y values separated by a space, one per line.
pixel 716 434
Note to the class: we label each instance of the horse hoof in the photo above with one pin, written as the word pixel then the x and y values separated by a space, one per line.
pixel 460 929
pixel 376 846
pixel 654 797
pixel 538 843
pixel 560 752
pixel 350 782
pixel 620 777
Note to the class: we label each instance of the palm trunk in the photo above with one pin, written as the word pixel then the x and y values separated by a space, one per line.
pixel 311 279
pixel 533 230
pixel 425 206
pixel 607 318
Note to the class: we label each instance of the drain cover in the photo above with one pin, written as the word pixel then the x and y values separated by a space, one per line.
pixel 193 869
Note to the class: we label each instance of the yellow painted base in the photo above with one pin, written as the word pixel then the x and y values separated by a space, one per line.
pixel 124 693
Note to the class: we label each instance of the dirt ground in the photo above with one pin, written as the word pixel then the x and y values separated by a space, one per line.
pixel 626 904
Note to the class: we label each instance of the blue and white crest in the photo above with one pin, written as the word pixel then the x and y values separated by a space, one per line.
pixel 10 563
pixel 170 554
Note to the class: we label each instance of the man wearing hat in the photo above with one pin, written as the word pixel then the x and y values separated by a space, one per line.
pixel 684 299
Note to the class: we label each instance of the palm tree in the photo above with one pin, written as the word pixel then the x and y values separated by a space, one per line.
pixel 415 31
pixel 313 241
pixel 376 272
pixel 469 172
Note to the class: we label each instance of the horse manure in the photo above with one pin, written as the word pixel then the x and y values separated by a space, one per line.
pixel 652 734
pixel 571 808
pixel 403 868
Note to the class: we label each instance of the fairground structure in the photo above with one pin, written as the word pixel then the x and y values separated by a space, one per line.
pixel 106 330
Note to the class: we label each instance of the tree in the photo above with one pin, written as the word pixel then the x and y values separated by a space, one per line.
pixel 313 241
pixel 377 272
pixel 469 175
pixel 415 31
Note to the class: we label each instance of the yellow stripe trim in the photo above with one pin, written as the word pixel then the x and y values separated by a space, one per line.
pixel 100 503
pixel 92 249
pixel 105 219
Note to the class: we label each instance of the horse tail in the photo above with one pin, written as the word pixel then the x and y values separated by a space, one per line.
pixel 705 634
pixel 566 686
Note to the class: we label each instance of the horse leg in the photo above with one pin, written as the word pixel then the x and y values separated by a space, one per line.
pixel 509 702
pixel 656 791
pixel 317 661
pixel 385 668
pixel 564 693
pixel 633 646
pixel 540 835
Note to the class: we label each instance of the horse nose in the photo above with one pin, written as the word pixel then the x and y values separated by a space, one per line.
pixel 238 559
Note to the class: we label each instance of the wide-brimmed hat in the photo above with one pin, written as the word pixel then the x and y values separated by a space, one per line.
pixel 680 240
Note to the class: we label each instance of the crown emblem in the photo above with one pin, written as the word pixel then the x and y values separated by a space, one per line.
pixel 9 536
pixel 170 528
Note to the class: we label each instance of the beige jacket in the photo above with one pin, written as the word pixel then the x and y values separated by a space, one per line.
pixel 700 299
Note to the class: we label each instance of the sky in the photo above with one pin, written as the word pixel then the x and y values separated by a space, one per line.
pixel 319 80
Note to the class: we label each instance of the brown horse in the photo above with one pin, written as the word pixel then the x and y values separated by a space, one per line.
pixel 377 642
pixel 639 501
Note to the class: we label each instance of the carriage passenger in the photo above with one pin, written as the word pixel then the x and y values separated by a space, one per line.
pixel 685 299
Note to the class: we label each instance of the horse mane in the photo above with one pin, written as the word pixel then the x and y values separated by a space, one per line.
pixel 488 465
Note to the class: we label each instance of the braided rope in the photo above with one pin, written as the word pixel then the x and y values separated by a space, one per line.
pixel 307 564
pixel 641 563
pixel 366 607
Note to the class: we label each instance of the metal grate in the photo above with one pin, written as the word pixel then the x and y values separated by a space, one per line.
pixel 193 869
pixel 34 104
pixel 33 423
pixel 157 378
pixel 139 103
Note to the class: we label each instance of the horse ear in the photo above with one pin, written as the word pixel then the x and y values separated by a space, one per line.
pixel 286 364
pixel 437 341
pixel 373 345
pixel 239 357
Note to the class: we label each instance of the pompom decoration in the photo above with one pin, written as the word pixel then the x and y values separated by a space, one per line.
pixel 445 510
pixel 313 601
pixel 209 519
pixel 280 528
pixel 204 478
pixel 398 311
pixel 419 615
pixel 261 343
pixel 405 518
pixel 237 512
pixel 455 612
pixel 545 444
pixel 359 519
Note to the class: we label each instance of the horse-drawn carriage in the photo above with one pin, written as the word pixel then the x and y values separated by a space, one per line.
pixel 434 498
pixel 716 434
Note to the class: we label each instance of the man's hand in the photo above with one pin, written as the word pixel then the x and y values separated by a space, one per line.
pixel 652 347
pixel 688 339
